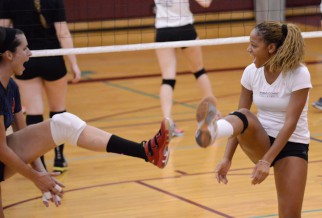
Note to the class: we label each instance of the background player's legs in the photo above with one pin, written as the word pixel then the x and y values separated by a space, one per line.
pixel 31 91
pixel 56 92
pixel 195 61
pixel 168 63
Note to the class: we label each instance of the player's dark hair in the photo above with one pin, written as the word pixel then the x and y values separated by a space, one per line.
pixel 8 39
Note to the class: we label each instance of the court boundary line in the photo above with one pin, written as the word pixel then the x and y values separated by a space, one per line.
pixel 181 175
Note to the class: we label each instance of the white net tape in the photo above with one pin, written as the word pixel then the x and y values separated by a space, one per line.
pixel 148 46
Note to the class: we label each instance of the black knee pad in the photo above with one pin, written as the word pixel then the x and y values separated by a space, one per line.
pixel 199 73
pixel 170 82
pixel 243 119
pixel 51 113
pixel 33 119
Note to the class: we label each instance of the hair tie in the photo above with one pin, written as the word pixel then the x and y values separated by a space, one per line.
pixel 284 30
pixel 9 37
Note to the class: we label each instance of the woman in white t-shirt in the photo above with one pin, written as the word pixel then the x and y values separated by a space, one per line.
pixel 278 84
pixel 174 22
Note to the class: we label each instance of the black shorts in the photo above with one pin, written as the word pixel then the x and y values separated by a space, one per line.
pixel 292 149
pixel 172 34
pixel 48 68
pixel 1 172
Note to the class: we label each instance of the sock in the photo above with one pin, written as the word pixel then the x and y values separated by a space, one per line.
pixel 123 146
pixel 33 119
pixel 42 158
pixel 59 150
pixel 224 129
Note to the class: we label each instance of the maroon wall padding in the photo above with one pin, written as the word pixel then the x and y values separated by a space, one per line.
pixel 91 10
pixel 309 20
pixel 299 3
pixel 94 10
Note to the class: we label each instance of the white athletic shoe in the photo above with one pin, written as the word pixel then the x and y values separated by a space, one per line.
pixel 207 125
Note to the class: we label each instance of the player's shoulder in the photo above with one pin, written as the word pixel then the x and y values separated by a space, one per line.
pixel 301 70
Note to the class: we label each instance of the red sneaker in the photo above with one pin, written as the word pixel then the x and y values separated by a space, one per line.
pixel 207 125
pixel 156 149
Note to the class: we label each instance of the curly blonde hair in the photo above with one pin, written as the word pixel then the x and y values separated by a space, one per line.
pixel 289 43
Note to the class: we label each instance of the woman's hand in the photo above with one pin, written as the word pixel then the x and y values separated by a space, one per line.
pixel 51 188
pixel 260 172
pixel 222 170
pixel 76 73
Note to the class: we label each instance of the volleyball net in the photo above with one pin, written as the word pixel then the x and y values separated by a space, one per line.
pixel 148 46
pixel 128 25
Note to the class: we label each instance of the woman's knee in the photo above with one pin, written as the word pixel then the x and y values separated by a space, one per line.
pixel 250 120
pixel 246 112
pixel 243 116
pixel 66 127
pixel 250 125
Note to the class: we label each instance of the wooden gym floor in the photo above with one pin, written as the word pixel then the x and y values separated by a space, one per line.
pixel 119 94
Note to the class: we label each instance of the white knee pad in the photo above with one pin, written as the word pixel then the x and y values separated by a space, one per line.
pixel 66 127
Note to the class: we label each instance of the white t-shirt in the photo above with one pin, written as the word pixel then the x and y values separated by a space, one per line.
pixel 172 13
pixel 272 99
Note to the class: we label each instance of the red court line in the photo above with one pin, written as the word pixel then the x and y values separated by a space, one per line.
pixel 185 200
pixel 178 73
pixel 182 173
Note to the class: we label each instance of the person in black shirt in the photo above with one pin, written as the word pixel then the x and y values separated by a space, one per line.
pixel 318 104
pixel 27 143
pixel 44 24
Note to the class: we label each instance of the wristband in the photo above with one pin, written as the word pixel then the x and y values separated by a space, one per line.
pixel 265 162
